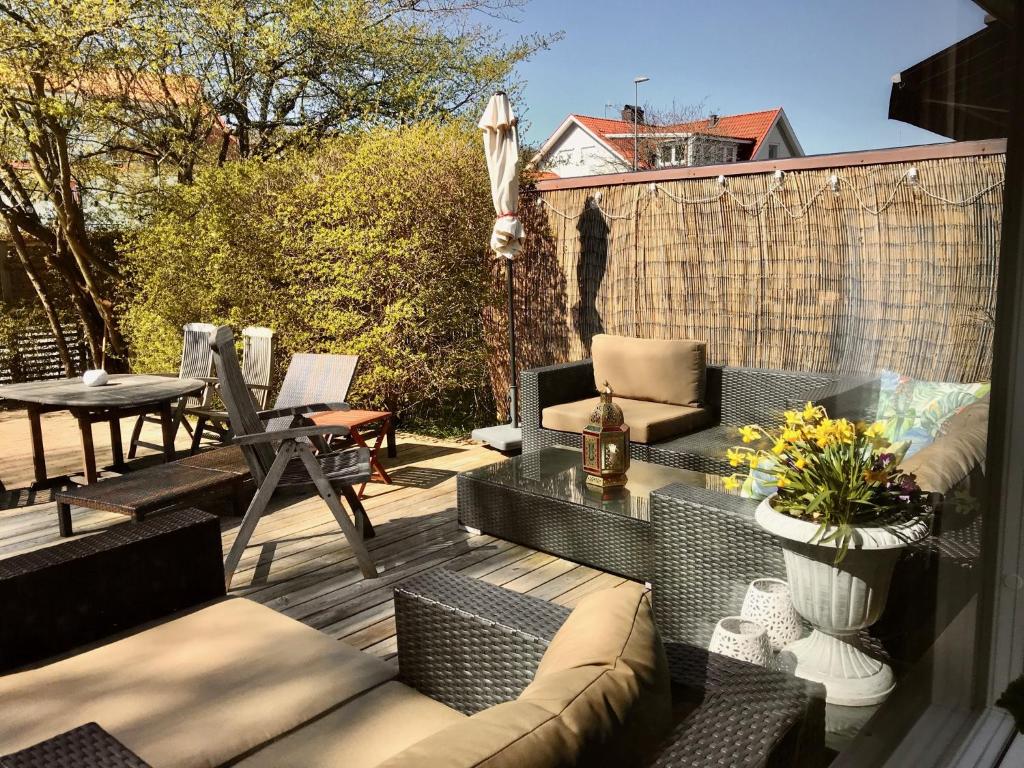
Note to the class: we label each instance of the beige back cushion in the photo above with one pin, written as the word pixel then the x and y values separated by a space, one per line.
pixel 660 370
pixel 959 448
pixel 600 698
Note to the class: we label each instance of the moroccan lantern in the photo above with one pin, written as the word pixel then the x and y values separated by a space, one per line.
pixel 606 444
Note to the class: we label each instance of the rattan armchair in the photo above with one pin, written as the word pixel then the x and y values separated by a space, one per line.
pixel 735 395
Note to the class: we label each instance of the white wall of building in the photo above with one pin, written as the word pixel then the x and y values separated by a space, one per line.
pixel 577 153
pixel 775 136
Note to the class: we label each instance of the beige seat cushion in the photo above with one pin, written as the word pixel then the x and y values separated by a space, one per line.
pixel 660 370
pixel 648 422
pixel 361 733
pixel 194 691
pixel 600 698
pixel 952 456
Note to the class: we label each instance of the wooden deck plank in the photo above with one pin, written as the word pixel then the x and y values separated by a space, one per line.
pixel 298 562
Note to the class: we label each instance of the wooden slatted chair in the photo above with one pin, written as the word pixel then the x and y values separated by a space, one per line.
pixel 315 378
pixel 282 459
pixel 196 363
pixel 257 364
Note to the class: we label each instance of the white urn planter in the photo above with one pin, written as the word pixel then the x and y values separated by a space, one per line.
pixel 839 601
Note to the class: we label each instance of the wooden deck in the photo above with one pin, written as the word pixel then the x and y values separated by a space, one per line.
pixel 298 561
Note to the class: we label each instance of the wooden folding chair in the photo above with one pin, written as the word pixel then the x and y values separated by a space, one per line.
pixel 257 363
pixel 283 459
pixel 196 363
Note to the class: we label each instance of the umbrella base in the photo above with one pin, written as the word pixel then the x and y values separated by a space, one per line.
pixel 504 437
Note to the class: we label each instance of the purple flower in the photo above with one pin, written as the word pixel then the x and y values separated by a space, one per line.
pixel 908 484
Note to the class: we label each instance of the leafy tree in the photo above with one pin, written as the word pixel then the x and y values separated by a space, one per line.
pixel 282 72
pixel 51 137
pixel 104 102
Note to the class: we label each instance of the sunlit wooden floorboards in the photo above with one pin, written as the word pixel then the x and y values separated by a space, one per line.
pixel 297 561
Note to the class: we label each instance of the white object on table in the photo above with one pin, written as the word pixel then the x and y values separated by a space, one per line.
pixel 770 603
pixel 95 378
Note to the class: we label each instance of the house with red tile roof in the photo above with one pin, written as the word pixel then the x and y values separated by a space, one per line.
pixel 587 146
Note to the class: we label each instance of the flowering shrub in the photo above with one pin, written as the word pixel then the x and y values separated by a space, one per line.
pixel 374 244
pixel 833 472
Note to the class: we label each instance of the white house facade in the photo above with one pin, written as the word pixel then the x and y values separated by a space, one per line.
pixel 588 146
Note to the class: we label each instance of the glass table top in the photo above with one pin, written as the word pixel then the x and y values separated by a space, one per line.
pixel 558 473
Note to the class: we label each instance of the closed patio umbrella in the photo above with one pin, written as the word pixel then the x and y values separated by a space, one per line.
pixel 501 147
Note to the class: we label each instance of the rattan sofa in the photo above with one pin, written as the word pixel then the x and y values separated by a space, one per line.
pixel 463 643
pixel 736 396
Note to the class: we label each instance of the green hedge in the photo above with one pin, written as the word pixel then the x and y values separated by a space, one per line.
pixel 373 244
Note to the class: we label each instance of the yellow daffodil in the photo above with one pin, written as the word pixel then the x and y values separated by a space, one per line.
pixel 844 431
pixel 800 462
pixel 749 434
pixel 731 483
pixel 782 481
pixel 824 432
pixel 809 412
pixel 753 459
pixel 792 418
pixel 875 430
pixel 779 448
pixel 791 435
pixel 735 456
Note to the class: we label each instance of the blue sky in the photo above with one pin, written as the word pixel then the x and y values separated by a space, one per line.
pixel 827 62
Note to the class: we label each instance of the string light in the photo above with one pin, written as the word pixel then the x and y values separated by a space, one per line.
pixel 757 203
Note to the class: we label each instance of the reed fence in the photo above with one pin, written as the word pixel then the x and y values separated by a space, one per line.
pixel 846 264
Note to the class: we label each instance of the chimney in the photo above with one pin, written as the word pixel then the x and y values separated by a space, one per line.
pixel 712 120
pixel 629 110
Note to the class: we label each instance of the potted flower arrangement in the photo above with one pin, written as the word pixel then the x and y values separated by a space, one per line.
pixel 843 510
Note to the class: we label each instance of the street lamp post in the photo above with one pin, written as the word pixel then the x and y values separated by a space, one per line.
pixel 636 101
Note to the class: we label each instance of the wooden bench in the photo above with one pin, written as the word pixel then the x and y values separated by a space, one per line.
pixel 205 477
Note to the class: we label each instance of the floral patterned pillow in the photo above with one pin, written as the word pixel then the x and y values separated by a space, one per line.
pixel 915 410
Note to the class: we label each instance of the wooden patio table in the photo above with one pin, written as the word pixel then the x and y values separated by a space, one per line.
pixel 123 395
pixel 362 425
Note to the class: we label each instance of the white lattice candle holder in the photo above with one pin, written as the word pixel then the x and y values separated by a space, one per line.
pixel 770 603
pixel 741 639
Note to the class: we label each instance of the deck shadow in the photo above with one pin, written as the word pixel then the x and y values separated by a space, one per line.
pixel 421 477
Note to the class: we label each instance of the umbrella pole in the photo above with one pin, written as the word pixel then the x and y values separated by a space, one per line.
pixel 513 390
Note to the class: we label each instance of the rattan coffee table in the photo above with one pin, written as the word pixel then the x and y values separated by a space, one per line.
pixel 541 500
